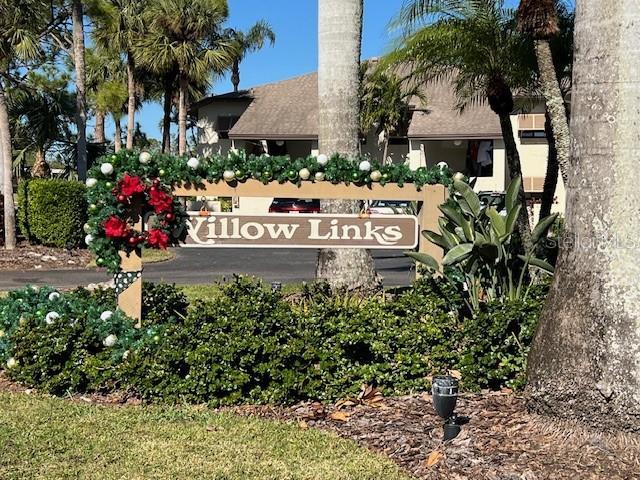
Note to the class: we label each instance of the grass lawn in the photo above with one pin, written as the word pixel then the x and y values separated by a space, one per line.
pixel 49 438
pixel 148 256
pixel 213 290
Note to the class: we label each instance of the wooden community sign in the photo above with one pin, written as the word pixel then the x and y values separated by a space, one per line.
pixel 301 231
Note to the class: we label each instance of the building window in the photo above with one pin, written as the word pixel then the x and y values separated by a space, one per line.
pixel 531 125
pixel 480 158
pixel 533 134
pixel 226 123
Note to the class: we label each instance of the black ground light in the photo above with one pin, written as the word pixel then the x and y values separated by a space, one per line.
pixel 445 395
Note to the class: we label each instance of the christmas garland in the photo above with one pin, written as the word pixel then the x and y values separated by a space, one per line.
pixel 129 185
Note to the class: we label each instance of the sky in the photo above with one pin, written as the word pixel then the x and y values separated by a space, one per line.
pixel 295 51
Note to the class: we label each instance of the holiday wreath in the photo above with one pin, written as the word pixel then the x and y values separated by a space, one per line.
pixel 128 186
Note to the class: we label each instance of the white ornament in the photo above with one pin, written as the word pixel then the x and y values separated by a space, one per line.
pixel 106 168
pixel 193 163
pixel 91 182
pixel 88 239
pixel 442 165
pixel 229 175
pixel 304 173
pixel 322 159
pixel 106 315
pixel 51 317
pixel 319 176
pixel 12 362
pixel 145 158
pixel 459 177
pixel 364 166
pixel 1 333
pixel 53 296
pixel 87 228
pixel 375 175
pixel 110 341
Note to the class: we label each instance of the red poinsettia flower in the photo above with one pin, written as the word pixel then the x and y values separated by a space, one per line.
pixel 160 201
pixel 115 227
pixel 129 186
pixel 157 238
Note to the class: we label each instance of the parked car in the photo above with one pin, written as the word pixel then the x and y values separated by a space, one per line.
pixel 493 199
pixel 390 207
pixel 291 205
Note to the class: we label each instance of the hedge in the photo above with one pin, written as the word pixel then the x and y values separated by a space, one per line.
pixel 52 212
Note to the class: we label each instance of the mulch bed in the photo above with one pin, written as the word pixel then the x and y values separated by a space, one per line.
pixel 37 257
pixel 502 441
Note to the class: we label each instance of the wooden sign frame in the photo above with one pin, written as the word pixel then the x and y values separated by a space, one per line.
pixel 431 196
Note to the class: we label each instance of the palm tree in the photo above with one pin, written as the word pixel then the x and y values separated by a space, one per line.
pixel 101 66
pixel 585 359
pixel 81 93
pixel 111 98
pixel 539 19
pixel 384 102
pixel 474 44
pixel 186 35
pixel 339 41
pixel 118 25
pixel 21 26
pixel 250 41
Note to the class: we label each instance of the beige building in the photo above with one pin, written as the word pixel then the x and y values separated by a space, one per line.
pixel 282 119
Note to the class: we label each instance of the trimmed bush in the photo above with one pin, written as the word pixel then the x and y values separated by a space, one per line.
pixel 52 212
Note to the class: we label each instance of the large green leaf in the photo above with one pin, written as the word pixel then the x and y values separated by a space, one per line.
pixel 450 237
pixel 542 228
pixel 452 214
pixel 425 259
pixel 541 264
pixel 457 254
pixel 512 219
pixel 512 193
pixel 497 221
pixel 470 201
pixel 435 238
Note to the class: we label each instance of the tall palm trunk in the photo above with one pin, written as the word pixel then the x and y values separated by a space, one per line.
pixel 81 93
pixel 166 118
pixel 585 359
pixel 551 175
pixel 235 75
pixel 555 105
pixel 182 114
pixel 98 131
pixel 117 137
pixel 339 39
pixel 131 104
pixel 7 178
pixel 40 167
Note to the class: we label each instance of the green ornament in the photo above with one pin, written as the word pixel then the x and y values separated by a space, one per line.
pixel 108 184
pixel 93 207
pixel 99 261
pixel 161 173
pixel 355 176
pixel 215 174
pixel 385 176
pixel 114 157
pixel 239 173
pixel 292 175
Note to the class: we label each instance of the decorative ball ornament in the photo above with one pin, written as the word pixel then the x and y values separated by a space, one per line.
pixel 319 176
pixel 144 158
pixel 229 175
pixel 442 165
pixel 106 315
pixel 87 228
pixel 193 163
pixel 12 363
pixel 364 166
pixel 106 168
pixel 322 159
pixel 161 172
pixel 88 239
pixel 53 296
pixel 91 182
pixel 355 176
pixel 51 317
pixel 459 177
pixel 108 184
pixel 304 174
pixel 375 176
pixel 99 261
pixel 110 340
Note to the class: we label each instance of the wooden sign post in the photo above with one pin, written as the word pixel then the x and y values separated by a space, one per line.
pixel 402 231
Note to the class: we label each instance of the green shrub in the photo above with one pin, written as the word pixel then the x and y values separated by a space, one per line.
pixel 52 212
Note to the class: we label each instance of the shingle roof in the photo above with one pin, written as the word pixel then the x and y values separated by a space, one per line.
pixel 440 119
pixel 287 109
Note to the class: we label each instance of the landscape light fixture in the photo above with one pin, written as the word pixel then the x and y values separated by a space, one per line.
pixel 276 286
pixel 444 390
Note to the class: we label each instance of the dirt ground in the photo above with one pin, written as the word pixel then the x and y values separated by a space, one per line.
pixel 35 257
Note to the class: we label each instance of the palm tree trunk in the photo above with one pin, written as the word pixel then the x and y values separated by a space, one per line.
pixel 166 119
pixel 515 171
pixel 117 136
pixel 81 98
pixel 131 105
pixel 585 359
pixel 235 75
pixel 182 115
pixel 339 41
pixel 551 176
pixel 98 131
pixel 555 105
pixel 7 179
pixel 40 167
